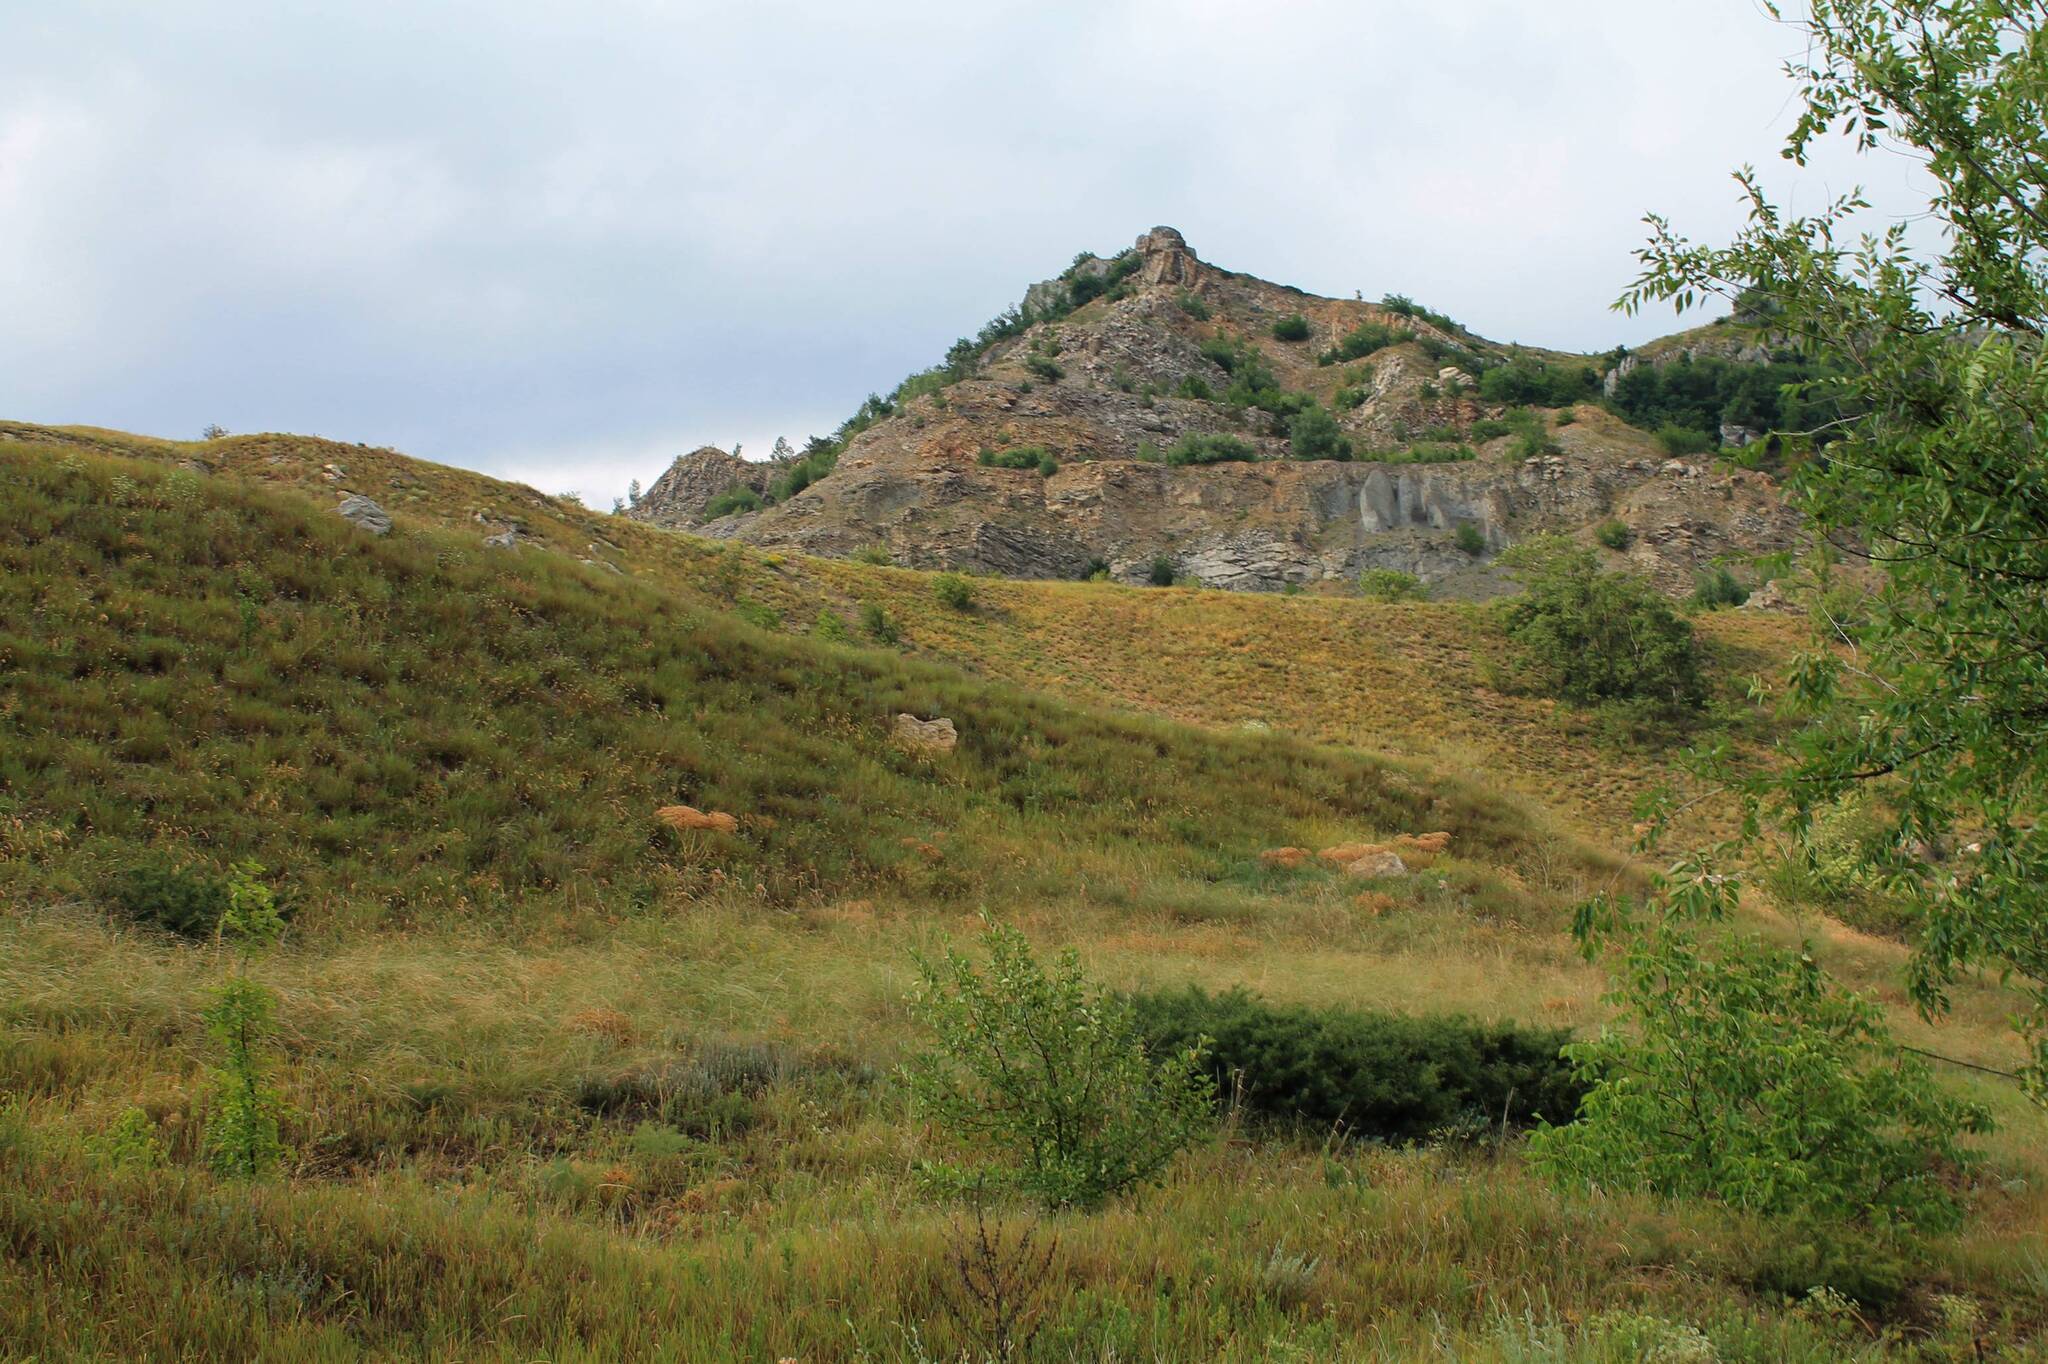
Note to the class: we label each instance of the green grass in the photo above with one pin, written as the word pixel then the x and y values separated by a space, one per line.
pixel 562 1083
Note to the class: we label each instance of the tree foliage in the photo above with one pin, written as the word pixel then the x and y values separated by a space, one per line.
pixel 1589 637
pixel 1933 341
pixel 1051 1072
pixel 1751 1079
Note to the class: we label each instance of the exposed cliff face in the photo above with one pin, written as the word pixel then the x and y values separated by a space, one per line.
pixel 1109 386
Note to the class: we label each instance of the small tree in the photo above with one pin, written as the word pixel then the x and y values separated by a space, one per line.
pixel 1161 574
pixel 1588 636
pixel 1051 1071
pixel 1313 434
pixel 1293 327
pixel 215 432
pixel 242 1136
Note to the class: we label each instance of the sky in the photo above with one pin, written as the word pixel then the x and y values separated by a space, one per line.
pixel 566 243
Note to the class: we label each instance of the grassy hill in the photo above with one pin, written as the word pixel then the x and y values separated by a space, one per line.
pixel 448 757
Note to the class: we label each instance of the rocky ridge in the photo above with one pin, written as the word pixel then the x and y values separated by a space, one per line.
pixel 1109 386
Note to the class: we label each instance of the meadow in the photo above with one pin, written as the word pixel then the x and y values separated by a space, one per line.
pixel 565 1082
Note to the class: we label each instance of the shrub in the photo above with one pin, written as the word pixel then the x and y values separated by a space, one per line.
pixel 1215 449
pixel 953 590
pixel 1376 1075
pixel 830 626
pixel 878 555
pixel 1470 538
pixel 176 899
pixel 734 499
pixel 1683 440
pixel 1193 386
pixel 1293 327
pixel 1044 366
pixel 1192 306
pixel 1751 1078
pixel 1095 570
pixel 1047 466
pixel 1391 584
pixel 1352 396
pixel 1718 587
pixel 1221 351
pixel 1365 339
pixel 1052 1073
pixel 1588 636
pixel 1015 457
pixel 1527 380
pixel 876 624
pixel 1161 573
pixel 1313 434
pixel 1614 534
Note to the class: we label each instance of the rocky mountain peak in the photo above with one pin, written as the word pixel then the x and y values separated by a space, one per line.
pixel 1167 258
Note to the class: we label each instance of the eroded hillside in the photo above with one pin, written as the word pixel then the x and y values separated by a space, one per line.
pixel 1151 407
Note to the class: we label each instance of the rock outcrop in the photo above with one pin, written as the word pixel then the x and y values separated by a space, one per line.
pixel 1163 348
pixel 679 497
pixel 364 514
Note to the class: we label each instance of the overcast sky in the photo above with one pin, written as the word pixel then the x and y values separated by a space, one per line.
pixel 564 243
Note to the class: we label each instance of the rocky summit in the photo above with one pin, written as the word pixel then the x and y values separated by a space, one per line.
pixel 1149 408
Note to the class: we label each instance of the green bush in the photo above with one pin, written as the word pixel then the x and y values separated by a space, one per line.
pixel 1193 386
pixel 1223 352
pixel 1587 636
pixel 1683 440
pixel 1051 1075
pixel 178 900
pixel 1391 584
pixel 735 499
pixel 877 555
pixel 877 625
pixel 1047 466
pixel 1470 538
pixel 1614 534
pixel 1364 339
pixel 1293 327
pixel 1192 306
pixel 1015 457
pixel 1211 449
pixel 1161 573
pixel 1527 380
pixel 1313 434
pixel 1044 366
pixel 1717 587
pixel 954 591
pixel 1375 1075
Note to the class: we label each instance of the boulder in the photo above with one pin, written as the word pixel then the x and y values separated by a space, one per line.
pixel 924 736
pixel 365 514
pixel 1737 435
pixel 1384 862
pixel 504 539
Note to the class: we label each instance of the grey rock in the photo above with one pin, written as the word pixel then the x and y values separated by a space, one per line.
pixel 924 736
pixel 1736 435
pixel 1378 864
pixel 366 515
pixel 504 539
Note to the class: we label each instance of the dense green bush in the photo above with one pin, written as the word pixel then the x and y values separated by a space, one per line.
pixel 735 499
pixel 953 590
pixel 1364 339
pixel 1293 327
pixel 1209 449
pixel 1192 305
pixel 1015 457
pixel 1044 366
pixel 1391 584
pixel 1194 386
pixel 1161 573
pixel 179 900
pixel 1052 1074
pixel 1405 306
pixel 1702 394
pixel 1718 587
pixel 1588 636
pixel 1540 383
pixel 1375 1075
pixel 1313 434
pixel 1614 534
pixel 1470 538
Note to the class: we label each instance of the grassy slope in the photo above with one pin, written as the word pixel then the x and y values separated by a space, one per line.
pixel 442 742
